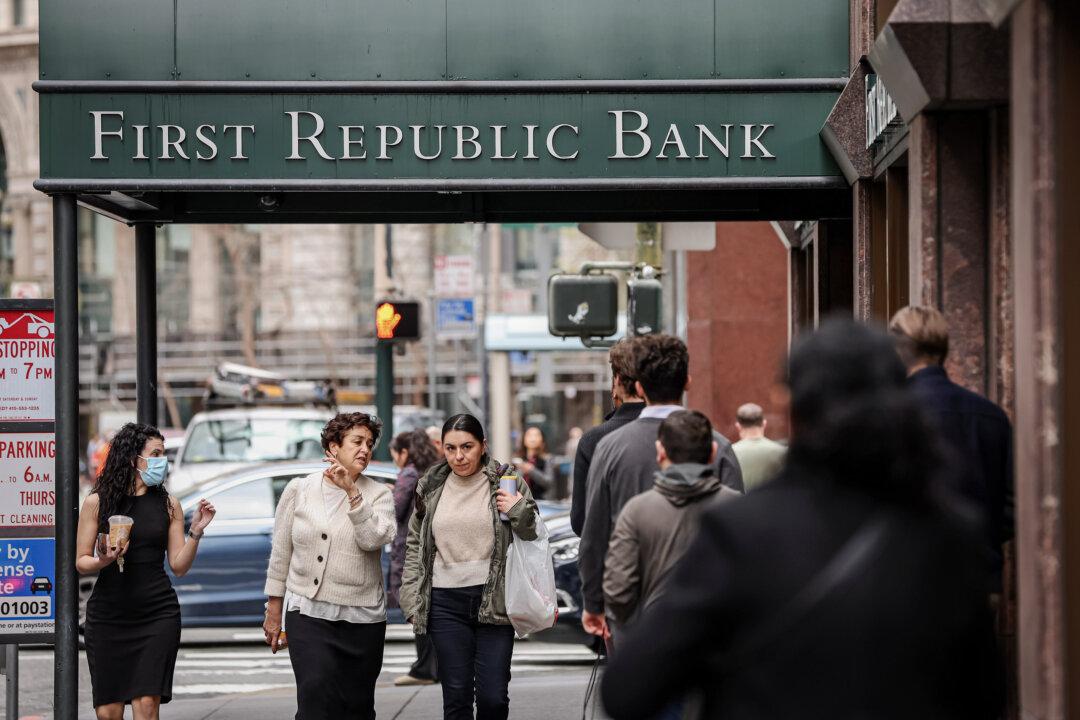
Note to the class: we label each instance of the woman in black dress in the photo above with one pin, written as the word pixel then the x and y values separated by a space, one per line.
pixel 133 617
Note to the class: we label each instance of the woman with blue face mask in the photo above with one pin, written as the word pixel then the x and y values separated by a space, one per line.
pixel 133 617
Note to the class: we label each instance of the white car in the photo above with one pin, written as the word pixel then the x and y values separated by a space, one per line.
pixel 220 441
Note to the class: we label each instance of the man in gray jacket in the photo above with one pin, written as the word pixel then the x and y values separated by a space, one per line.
pixel 655 528
pixel 625 463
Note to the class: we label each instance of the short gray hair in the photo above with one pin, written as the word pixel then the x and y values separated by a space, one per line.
pixel 750 415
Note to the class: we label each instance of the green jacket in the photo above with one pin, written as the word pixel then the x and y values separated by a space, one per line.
pixel 415 593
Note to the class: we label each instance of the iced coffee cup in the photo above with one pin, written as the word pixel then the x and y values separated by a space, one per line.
pixel 119 534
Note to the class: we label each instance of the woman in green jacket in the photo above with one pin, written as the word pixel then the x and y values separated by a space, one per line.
pixel 452 588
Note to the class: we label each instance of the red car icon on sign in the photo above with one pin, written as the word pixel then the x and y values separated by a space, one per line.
pixel 34 325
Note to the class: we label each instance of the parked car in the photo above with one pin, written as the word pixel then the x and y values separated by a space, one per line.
pixel 221 441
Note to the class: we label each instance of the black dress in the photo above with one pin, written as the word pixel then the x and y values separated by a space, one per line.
pixel 133 617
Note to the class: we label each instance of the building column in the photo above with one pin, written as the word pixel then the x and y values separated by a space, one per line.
pixel 1045 111
pixel 949 233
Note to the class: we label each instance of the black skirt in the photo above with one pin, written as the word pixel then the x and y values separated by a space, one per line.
pixel 336 664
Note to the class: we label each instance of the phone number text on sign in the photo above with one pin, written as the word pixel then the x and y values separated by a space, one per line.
pixel 27 366
pixel 28 480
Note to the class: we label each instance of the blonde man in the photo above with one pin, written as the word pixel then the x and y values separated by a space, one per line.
pixel 975 431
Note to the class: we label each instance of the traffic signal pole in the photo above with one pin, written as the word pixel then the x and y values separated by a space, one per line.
pixel 384 395
pixel 66 294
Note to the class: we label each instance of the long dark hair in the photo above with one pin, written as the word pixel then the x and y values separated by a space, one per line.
pixel 422 452
pixel 854 419
pixel 524 451
pixel 116 483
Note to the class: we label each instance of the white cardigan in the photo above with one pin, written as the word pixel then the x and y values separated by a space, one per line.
pixel 337 558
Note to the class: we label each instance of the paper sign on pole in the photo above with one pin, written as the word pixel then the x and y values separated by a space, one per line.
pixel 455 275
pixel 27 365
pixel 27 588
pixel 28 481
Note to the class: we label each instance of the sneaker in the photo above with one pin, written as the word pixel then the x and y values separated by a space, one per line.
pixel 406 680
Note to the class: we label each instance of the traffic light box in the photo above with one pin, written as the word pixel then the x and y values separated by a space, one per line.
pixel 397 320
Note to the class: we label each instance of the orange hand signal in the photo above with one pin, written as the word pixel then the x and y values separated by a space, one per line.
pixel 386 319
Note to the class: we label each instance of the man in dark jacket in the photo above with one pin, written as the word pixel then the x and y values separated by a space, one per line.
pixel 654 528
pixel 625 463
pixel 628 405
pixel 976 432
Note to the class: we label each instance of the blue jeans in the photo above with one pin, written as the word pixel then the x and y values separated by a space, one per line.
pixel 474 657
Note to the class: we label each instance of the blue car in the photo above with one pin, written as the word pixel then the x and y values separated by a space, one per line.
pixel 225 585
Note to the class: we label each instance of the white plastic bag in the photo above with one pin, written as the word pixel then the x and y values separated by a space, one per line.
pixel 530 583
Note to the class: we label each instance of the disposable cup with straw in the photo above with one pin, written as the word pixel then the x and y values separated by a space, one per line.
pixel 119 533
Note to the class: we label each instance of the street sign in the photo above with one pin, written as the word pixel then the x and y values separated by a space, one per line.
pixel 28 481
pixel 27 363
pixel 27 589
pixel 455 276
pixel 455 318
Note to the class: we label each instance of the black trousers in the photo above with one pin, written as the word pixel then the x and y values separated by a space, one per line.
pixel 426 666
pixel 474 657
pixel 336 664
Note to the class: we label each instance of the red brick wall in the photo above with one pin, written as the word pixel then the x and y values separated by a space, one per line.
pixel 737 325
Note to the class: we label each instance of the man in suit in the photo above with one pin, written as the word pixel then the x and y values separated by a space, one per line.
pixel 977 434
pixel 628 406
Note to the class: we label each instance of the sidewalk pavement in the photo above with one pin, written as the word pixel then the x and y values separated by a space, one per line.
pixel 551 696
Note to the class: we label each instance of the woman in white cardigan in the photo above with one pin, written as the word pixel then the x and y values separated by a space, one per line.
pixel 325 581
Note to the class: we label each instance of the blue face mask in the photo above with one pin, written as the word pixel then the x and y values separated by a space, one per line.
pixel 154 474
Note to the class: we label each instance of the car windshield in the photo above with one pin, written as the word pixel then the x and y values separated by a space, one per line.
pixel 254 440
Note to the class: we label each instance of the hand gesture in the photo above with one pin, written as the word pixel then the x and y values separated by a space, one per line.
pixel 525 467
pixel 504 500
pixel 337 474
pixel 202 516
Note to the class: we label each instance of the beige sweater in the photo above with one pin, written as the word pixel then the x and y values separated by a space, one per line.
pixel 464 532
pixel 335 560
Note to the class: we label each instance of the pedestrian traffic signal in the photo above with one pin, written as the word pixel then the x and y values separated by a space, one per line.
pixel 397 320
pixel 643 306
pixel 585 306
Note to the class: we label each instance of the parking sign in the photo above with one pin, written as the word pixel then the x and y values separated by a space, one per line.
pixel 27 592
pixel 27 363
pixel 456 318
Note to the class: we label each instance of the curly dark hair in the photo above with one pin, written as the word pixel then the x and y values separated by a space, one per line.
pixel 663 367
pixel 422 452
pixel 342 423
pixel 116 484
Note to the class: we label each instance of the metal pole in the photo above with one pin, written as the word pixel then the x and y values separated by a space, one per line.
pixel 11 674
pixel 66 297
pixel 146 323
pixel 481 310
pixel 384 395
pixel 433 376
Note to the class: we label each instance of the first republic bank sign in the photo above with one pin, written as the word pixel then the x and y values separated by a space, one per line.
pixel 427 95
pixel 405 140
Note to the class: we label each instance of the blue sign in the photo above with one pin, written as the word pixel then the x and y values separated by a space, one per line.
pixel 455 318
pixel 27 586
